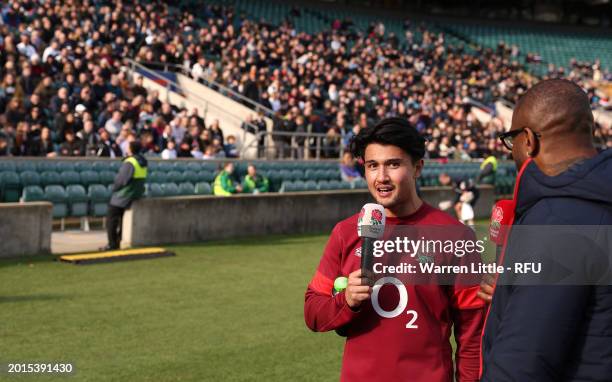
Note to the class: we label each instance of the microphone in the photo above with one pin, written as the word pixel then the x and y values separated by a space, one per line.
pixel 501 217
pixel 370 227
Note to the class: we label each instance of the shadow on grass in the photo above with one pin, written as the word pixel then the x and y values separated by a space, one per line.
pixel 31 298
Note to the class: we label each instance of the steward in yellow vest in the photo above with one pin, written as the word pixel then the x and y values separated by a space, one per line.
pixel 488 169
pixel 128 186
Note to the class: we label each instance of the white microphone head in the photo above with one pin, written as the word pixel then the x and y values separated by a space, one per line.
pixel 371 221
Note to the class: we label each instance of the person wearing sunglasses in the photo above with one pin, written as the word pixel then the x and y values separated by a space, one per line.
pixel 545 332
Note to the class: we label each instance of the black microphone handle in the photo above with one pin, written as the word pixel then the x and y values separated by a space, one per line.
pixel 367 256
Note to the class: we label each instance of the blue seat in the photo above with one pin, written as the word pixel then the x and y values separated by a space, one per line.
pixel 29 178
pixel 206 176
pixel 33 194
pixel 57 195
pixel 46 165
pixel 50 178
pixel 107 177
pixel 154 190
pixel 174 177
pixel 360 183
pixel 89 177
pixel 114 165
pixel 186 188
pixel 310 185
pixel 324 185
pixel 78 200
pixel 70 177
pixel 203 188
pixel 10 186
pixel 99 196
pixel 170 189
pixel 25 165
pixel 6 165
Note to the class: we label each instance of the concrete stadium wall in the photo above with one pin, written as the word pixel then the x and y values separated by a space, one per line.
pixel 188 219
pixel 25 229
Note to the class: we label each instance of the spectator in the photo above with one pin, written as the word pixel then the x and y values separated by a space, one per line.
pixel 184 150
pixel 209 153
pixel 107 146
pixel 43 145
pixel 348 168
pixel 71 147
pixel 89 138
pixel 23 140
pixel 169 152
pixel 195 150
pixel 224 185
pixel 114 124
pixel 4 146
pixel 253 182
pixel 230 149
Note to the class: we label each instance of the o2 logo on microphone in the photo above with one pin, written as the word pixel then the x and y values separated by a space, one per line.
pixel 401 306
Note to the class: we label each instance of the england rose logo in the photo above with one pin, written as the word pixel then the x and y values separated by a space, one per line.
pixel 498 214
pixel 376 218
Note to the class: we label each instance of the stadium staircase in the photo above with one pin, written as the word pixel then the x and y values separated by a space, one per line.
pixel 183 92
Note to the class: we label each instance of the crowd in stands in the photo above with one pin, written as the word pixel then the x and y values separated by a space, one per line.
pixel 338 81
pixel 65 92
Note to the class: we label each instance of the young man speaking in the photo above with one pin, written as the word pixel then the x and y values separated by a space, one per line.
pixel 413 347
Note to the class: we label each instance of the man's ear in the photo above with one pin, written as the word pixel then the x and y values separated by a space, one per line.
pixel 418 168
pixel 531 143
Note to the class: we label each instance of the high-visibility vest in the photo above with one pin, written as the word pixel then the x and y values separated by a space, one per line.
pixel 492 160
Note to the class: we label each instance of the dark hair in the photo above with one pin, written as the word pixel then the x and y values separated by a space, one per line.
pixel 390 131
pixel 135 147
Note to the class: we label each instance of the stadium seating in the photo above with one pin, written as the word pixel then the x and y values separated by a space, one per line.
pixel 170 189
pixel 10 186
pixel 554 47
pixel 29 178
pixel 78 200
pixel 50 178
pixel 83 188
pixel 99 196
pixel 33 194
pixel 70 177
pixel 107 176
pixel 186 188
pixel 89 177
pixel 203 188
pixel 57 195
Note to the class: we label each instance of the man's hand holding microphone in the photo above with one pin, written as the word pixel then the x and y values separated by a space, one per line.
pixel 370 227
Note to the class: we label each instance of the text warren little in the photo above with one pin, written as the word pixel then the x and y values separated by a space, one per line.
pixel 473 268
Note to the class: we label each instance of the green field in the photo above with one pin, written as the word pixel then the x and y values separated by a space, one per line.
pixel 225 311
pixel 216 312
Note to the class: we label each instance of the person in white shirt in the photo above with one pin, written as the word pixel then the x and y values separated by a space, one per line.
pixel 170 151
pixel 25 48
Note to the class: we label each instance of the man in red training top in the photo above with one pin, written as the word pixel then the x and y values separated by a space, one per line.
pixel 411 347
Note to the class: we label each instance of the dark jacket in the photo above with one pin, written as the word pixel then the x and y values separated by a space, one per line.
pixel 555 333
pixel 126 189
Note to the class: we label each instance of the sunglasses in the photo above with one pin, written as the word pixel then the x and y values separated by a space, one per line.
pixel 507 138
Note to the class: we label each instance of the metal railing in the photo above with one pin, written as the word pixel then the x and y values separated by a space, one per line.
pixel 293 145
pixel 216 86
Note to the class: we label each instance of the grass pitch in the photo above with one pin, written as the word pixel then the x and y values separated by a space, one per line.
pixel 216 312
pixel 226 311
